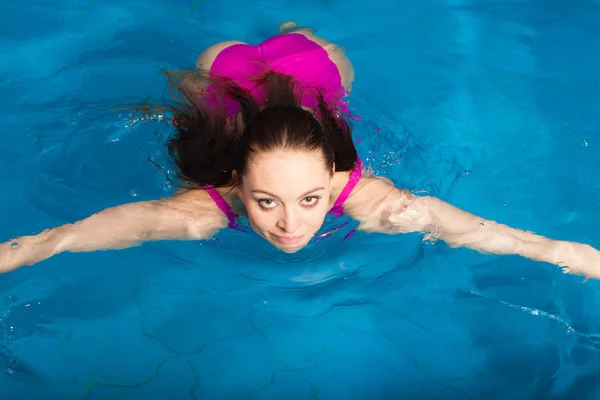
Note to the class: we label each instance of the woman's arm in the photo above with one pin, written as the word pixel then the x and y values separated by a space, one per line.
pixel 380 207
pixel 191 215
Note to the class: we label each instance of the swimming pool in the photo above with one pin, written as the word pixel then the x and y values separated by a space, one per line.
pixel 492 106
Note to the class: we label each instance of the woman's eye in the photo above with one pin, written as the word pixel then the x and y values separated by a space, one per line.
pixel 267 203
pixel 310 201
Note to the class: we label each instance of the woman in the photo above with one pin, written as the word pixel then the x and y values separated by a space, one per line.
pixel 263 132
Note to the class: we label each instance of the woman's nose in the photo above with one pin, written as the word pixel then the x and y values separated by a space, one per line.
pixel 289 221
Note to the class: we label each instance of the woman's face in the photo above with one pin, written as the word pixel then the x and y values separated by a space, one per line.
pixel 286 194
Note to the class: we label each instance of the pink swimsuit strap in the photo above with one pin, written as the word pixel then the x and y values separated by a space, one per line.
pixel 223 206
pixel 337 209
pixel 355 175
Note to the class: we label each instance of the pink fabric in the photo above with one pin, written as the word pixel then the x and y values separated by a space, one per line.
pixel 355 175
pixel 223 206
pixel 290 54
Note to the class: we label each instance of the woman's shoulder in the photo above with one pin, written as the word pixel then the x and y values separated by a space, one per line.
pixel 197 202
pixel 372 192
pixel 375 184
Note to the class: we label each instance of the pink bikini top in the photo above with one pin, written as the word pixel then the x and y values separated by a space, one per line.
pixel 337 210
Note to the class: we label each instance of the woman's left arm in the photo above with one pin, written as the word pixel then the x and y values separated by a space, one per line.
pixel 380 207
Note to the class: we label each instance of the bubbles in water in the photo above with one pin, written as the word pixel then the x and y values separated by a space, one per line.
pixel 14 245
pixel 585 143
pixel 166 186
pixel 133 193
pixel 145 119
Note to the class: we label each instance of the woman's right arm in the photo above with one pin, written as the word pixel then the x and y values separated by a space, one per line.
pixel 190 215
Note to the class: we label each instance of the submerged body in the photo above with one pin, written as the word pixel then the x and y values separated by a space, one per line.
pixel 252 141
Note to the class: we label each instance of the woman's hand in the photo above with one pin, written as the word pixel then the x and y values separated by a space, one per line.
pixel 577 258
pixel 28 250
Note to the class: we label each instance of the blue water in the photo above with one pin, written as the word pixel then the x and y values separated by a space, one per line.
pixel 490 105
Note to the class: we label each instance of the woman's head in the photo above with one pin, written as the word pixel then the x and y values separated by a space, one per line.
pixel 284 168
pixel 286 195
pixel 280 157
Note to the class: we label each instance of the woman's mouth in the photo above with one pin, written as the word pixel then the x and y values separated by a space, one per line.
pixel 288 240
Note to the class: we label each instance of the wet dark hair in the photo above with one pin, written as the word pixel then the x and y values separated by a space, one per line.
pixel 210 144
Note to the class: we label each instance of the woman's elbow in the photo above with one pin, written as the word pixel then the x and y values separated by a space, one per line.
pixel 405 213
